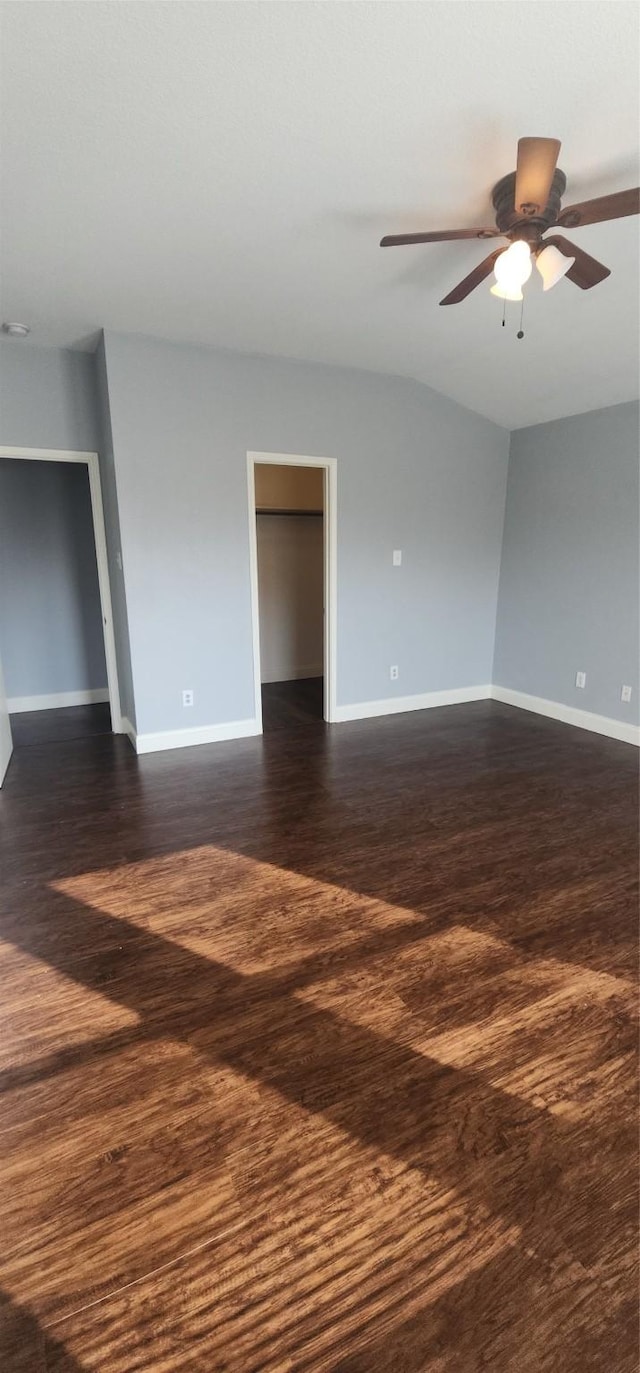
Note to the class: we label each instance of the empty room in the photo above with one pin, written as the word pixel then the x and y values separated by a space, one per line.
pixel 319 686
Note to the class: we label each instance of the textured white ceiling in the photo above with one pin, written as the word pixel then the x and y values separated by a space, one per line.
pixel 222 173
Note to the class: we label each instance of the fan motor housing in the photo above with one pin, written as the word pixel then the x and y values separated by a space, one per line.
pixel 529 227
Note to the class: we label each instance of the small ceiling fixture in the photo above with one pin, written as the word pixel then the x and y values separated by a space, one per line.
pixel 15 330
pixel 527 203
pixel 512 269
pixel 552 265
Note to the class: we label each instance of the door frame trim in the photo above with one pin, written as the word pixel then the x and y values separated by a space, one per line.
pixel 92 464
pixel 330 468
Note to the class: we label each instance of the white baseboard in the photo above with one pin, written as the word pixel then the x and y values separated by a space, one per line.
pixel 186 738
pixel 397 705
pixel 296 674
pixel 57 700
pixel 569 715
pixel 128 729
pixel 394 705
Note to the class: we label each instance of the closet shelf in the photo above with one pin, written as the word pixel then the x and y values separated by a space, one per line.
pixel 264 510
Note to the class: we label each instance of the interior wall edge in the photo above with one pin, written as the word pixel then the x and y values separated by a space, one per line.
pixel 399 705
pixel 113 531
pixel 569 715
pixel 158 741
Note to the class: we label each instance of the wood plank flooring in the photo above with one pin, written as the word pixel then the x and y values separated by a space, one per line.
pixel 287 705
pixel 317 1051
pixel 60 725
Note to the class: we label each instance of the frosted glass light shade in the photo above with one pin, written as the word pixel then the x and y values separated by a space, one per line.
pixel 513 268
pixel 552 265
pixel 503 294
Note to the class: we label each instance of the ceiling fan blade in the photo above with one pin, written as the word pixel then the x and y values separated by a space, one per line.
pixel 537 158
pixel 614 206
pixel 586 271
pixel 479 273
pixel 443 236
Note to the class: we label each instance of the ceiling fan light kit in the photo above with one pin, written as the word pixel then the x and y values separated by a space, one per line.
pixel 552 265
pixel 527 203
pixel 513 267
pixel 504 294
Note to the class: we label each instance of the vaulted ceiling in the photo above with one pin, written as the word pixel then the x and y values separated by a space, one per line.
pixel 222 173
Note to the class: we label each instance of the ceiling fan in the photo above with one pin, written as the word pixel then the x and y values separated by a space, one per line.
pixel 527 203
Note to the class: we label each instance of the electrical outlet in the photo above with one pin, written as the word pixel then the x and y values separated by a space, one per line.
pixel 393 673
pixel 397 557
pixel 625 694
pixel 187 698
pixel 581 679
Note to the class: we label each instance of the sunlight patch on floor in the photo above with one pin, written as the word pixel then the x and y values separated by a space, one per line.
pixel 43 1011
pixel 297 1282
pixel 250 915
pixel 472 1002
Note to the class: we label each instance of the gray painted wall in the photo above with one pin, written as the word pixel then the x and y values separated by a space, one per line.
pixel 415 471
pixel 570 575
pixel 47 397
pixel 50 620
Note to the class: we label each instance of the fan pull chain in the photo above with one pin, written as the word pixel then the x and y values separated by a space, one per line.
pixel 504 311
pixel 520 333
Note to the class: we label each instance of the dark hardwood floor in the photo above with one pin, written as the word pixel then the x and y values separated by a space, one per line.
pixel 60 725
pixel 317 1051
pixel 292 705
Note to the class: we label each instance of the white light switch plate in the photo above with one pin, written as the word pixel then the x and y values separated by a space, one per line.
pixel 397 557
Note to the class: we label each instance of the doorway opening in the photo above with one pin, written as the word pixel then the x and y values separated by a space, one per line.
pixel 292 526
pixel 59 679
